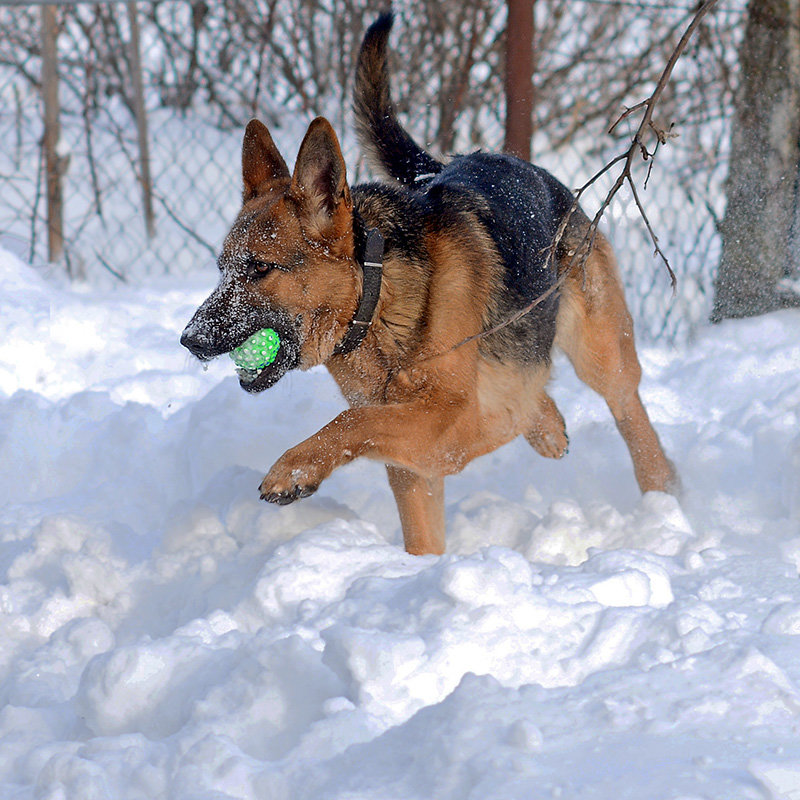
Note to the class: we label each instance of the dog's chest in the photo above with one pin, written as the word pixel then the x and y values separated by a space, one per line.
pixel 361 381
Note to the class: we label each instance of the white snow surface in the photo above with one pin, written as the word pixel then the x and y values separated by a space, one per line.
pixel 165 634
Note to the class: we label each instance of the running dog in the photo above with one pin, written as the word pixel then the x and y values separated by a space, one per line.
pixel 410 291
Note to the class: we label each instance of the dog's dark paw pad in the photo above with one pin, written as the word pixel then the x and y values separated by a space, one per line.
pixel 279 498
pixel 290 495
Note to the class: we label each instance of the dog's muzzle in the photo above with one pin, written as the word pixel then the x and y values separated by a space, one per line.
pixel 219 326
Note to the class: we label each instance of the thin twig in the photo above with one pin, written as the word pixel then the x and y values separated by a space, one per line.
pixel 183 226
pixel 625 114
pixel 672 278
pixel 118 275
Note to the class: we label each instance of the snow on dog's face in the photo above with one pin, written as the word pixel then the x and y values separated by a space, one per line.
pixel 287 263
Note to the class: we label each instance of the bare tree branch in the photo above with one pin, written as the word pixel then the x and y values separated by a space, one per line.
pixel 637 146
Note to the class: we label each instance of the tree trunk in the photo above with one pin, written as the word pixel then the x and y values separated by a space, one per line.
pixel 140 113
pixel 54 164
pixel 757 250
pixel 519 78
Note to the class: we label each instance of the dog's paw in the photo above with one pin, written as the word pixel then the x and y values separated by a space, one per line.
pixel 285 483
pixel 548 433
pixel 549 443
pixel 286 496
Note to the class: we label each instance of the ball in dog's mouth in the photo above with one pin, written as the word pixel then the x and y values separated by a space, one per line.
pixel 256 352
pixel 264 357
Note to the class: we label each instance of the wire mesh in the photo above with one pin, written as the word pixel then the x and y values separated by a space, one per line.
pixel 206 69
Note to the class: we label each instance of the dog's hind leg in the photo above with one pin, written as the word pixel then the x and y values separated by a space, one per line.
pixel 548 434
pixel 420 502
pixel 596 332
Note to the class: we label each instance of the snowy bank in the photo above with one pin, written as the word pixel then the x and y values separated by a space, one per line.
pixel 167 635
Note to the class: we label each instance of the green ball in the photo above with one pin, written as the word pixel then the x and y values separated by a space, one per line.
pixel 257 351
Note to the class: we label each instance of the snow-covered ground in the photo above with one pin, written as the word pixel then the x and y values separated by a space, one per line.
pixel 164 635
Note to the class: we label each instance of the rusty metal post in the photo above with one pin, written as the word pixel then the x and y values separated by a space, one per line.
pixel 519 78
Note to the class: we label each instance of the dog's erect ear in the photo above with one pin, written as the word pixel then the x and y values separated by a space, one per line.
pixel 261 161
pixel 320 175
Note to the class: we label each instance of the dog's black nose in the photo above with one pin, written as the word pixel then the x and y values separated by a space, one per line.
pixel 197 344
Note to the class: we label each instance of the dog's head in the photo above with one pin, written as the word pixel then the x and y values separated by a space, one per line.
pixel 288 261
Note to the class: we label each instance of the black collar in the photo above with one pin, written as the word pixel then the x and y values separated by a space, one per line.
pixel 372 271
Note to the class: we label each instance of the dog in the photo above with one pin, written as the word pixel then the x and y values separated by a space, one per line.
pixel 404 290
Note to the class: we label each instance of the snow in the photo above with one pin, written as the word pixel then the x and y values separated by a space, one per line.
pixel 167 635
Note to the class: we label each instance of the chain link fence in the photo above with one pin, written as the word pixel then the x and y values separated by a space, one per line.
pixel 152 98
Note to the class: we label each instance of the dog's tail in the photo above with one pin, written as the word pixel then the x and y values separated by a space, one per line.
pixel 388 147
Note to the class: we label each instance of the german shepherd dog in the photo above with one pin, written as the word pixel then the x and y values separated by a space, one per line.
pixel 385 283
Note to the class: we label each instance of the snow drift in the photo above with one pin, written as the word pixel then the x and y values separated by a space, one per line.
pixel 167 635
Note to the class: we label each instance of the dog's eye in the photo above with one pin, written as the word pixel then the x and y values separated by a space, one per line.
pixel 257 267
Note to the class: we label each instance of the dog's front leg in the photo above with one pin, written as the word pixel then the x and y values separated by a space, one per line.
pixel 428 439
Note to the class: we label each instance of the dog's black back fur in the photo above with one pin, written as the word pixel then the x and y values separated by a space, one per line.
pixel 520 205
